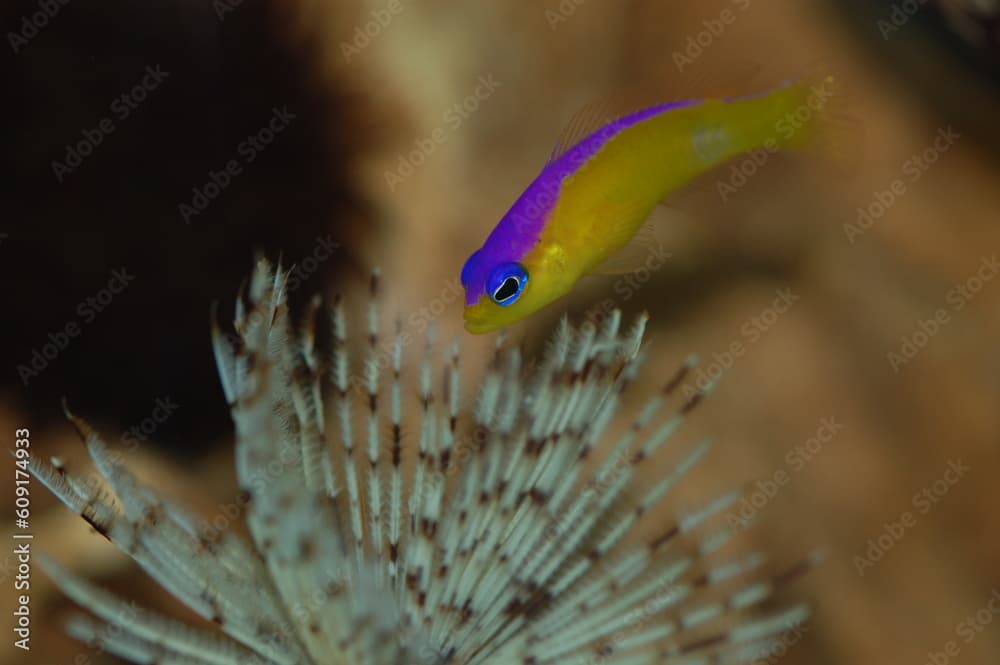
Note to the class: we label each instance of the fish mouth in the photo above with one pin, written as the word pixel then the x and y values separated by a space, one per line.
pixel 477 319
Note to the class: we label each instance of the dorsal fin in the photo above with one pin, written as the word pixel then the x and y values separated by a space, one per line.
pixel 588 119
pixel 605 109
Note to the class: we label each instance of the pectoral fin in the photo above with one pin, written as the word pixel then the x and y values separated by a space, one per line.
pixel 652 241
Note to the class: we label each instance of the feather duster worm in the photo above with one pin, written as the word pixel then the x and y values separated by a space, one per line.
pixel 504 535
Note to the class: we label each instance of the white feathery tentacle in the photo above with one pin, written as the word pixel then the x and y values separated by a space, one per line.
pixel 492 525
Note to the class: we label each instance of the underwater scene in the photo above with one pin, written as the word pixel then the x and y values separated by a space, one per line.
pixel 569 332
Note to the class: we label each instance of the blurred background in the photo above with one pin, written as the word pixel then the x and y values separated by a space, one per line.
pixel 153 152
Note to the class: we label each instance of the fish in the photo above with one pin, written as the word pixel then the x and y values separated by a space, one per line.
pixel 606 178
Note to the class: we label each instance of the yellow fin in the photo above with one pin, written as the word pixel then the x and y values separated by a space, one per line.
pixel 606 109
pixel 588 119
pixel 650 246
pixel 841 133
pixel 838 131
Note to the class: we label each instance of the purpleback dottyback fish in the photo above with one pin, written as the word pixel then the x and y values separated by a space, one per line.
pixel 601 185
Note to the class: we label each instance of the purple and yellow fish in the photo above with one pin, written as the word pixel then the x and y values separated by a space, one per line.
pixel 595 194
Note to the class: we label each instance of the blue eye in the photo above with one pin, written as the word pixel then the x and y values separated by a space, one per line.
pixel 507 283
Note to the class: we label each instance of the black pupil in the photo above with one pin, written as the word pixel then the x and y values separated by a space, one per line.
pixel 507 289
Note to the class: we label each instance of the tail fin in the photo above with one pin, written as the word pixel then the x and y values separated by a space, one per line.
pixel 818 118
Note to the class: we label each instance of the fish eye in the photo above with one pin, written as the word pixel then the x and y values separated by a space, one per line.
pixel 507 283
pixel 507 290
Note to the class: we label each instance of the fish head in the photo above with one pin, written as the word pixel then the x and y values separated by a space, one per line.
pixel 500 290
